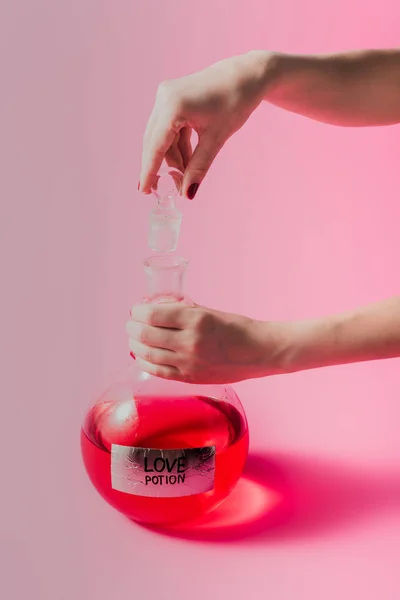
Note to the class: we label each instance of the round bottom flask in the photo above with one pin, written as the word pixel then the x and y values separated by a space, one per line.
pixel 163 451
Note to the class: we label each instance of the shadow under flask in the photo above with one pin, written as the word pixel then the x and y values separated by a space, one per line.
pixel 163 451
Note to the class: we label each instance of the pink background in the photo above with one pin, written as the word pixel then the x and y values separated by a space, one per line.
pixel 296 219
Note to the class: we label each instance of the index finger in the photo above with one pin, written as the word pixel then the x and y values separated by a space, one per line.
pixel 171 315
pixel 155 147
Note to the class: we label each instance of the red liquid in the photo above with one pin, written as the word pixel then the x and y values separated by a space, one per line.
pixel 165 423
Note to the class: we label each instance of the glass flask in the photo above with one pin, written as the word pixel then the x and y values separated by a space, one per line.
pixel 163 451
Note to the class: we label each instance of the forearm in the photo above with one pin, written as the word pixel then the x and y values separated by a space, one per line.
pixel 347 89
pixel 368 333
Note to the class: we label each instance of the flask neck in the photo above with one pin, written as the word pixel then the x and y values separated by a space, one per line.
pixel 166 202
pixel 165 278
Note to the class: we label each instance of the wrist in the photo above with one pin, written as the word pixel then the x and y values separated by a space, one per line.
pixel 366 333
pixel 261 69
pixel 289 347
pixel 275 69
pixel 328 341
pixel 312 343
pixel 275 345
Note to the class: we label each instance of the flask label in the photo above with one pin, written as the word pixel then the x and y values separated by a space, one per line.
pixel 162 473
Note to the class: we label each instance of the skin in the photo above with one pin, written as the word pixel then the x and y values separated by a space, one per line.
pixel 197 344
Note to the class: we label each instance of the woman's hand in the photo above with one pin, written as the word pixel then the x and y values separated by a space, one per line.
pixel 215 103
pixel 200 345
pixel 357 89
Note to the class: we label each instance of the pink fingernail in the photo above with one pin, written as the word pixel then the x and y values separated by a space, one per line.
pixel 132 355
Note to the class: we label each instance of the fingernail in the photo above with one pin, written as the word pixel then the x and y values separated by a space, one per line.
pixel 192 190
pixel 132 355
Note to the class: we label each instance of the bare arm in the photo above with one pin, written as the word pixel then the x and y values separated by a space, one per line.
pixel 201 345
pixel 354 89
pixel 348 89
pixel 368 333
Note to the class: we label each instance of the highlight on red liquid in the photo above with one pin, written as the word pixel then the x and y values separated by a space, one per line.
pixel 195 448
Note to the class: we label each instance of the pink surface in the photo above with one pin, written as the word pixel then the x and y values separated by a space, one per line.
pixel 299 219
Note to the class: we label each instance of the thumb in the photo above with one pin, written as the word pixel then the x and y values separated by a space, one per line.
pixel 198 166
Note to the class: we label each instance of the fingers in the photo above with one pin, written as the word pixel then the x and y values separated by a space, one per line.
pixel 168 137
pixel 154 151
pixel 174 156
pixel 198 166
pixel 156 356
pixel 158 337
pixel 185 145
pixel 180 153
pixel 162 371
pixel 171 316
pixel 163 128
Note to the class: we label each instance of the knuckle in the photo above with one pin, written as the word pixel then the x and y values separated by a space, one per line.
pixel 162 339
pixel 166 96
pixel 202 321
pixel 196 344
pixel 170 374
pixel 199 172
pixel 148 355
pixel 144 335
pixel 164 89
pixel 154 316
pixel 189 374
pixel 219 140
pixel 170 104
pixel 158 372
pixel 190 344
pixel 189 365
